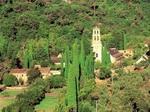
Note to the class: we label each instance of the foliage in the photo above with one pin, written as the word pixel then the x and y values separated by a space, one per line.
pixel 10 80
pixel 56 81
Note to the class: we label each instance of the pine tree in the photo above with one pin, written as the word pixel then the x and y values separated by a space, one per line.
pixel 66 61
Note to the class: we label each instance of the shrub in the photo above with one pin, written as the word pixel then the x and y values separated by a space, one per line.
pixel 56 81
pixel 105 72
pixel 10 80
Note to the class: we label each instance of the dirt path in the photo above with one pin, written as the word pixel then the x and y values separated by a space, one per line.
pixel 5 98
pixel 100 82
pixel 51 94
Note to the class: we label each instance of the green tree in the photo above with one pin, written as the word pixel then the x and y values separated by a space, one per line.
pixel 10 80
pixel 32 74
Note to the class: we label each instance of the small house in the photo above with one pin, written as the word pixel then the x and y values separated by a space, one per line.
pixel 20 74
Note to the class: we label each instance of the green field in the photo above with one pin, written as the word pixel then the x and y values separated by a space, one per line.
pixel 47 104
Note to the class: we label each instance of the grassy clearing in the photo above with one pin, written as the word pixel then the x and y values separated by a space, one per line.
pixel 47 104
pixel 10 92
pixel 7 97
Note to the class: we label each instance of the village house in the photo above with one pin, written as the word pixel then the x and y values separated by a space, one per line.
pixel 115 55
pixel 97 45
pixel 146 56
pixel 147 44
pixel 128 53
pixel 56 59
pixel 21 74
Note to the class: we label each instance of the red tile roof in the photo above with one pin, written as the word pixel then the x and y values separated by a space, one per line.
pixel 55 59
pixel 18 70
pixel 147 42
pixel 45 70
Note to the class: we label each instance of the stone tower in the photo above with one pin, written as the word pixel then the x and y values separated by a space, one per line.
pixel 97 44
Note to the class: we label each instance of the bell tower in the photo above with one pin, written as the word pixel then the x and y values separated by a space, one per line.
pixel 97 44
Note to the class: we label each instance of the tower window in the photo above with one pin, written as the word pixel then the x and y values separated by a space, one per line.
pixel 97 32
pixel 96 54
pixel 94 32
pixel 94 37
pixel 98 38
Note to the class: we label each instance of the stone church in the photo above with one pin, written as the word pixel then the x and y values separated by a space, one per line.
pixel 97 45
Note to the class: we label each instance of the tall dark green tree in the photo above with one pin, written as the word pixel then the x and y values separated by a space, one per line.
pixel 71 88
pixel 105 56
pixel 66 61
pixel 76 62
pixel 82 55
pixel 26 60
pixel 62 65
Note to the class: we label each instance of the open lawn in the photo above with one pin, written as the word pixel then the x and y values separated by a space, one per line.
pixel 47 104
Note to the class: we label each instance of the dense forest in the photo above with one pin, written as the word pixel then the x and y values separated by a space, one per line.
pixel 41 28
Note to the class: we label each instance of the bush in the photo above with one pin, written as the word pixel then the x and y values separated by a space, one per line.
pixel 56 81
pixel 10 80
pixel 86 107
pixel 105 72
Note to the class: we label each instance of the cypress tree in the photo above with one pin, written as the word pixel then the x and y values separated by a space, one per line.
pixel 47 50
pixel 62 65
pixel 91 66
pixel 30 57
pixel 124 42
pixel 121 45
pixel 86 67
pixel 82 55
pixel 25 59
pixel 66 61
pixel 71 87
pixel 105 56
pixel 76 61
